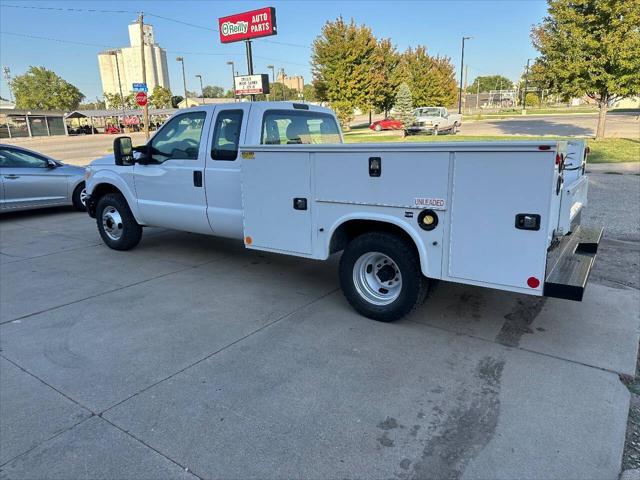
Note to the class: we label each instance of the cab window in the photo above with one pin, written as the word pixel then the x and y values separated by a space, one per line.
pixel 226 135
pixel 179 138
pixel 286 127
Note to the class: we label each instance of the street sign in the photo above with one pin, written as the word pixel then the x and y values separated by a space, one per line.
pixel 140 87
pixel 251 84
pixel 141 98
pixel 248 25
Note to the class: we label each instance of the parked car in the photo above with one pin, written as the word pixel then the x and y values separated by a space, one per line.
pixel 111 130
pixel 435 120
pixel 388 123
pixel 277 176
pixel 33 180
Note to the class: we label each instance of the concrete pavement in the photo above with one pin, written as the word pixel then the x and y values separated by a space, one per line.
pixel 193 357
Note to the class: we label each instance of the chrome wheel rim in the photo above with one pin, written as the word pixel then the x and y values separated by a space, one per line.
pixel 377 278
pixel 112 223
pixel 83 197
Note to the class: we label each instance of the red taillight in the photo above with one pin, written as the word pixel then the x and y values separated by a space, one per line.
pixel 533 282
pixel 558 159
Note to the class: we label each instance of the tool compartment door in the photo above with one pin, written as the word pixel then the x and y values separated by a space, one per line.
pixel 489 190
pixel 271 181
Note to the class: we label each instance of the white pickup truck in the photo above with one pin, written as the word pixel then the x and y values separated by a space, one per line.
pixel 435 120
pixel 276 176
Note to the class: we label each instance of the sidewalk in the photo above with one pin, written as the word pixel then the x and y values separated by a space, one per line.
pixel 628 168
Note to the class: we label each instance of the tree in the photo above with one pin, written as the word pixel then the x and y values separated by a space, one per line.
pixel 213 91
pixel 114 101
pixel 590 47
pixel 487 83
pixel 403 107
pixel 342 61
pixel 309 93
pixel 531 99
pixel 386 77
pixel 430 79
pixel 42 89
pixel 97 105
pixel 160 97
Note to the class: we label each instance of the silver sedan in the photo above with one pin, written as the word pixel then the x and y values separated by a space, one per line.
pixel 32 180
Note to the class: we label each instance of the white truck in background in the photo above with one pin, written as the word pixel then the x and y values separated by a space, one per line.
pixel 276 176
pixel 435 120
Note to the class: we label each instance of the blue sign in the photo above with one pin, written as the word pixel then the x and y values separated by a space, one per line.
pixel 140 87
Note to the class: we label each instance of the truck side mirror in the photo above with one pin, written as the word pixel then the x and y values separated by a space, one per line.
pixel 123 151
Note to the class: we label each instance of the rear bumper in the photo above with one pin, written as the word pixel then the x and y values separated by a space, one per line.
pixel 569 264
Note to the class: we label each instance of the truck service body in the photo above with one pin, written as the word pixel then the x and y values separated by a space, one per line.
pixel 502 215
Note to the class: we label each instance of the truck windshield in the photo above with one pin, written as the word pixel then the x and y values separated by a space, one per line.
pixel 283 127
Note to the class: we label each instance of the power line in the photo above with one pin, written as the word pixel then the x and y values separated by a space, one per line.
pixel 178 52
pixel 162 17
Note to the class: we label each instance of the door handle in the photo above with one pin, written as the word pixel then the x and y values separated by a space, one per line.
pixel 12 176
pixel 197 178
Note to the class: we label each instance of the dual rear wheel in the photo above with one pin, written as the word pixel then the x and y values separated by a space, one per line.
pixel 380 276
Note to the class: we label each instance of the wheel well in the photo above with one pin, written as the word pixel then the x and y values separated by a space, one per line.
pixel 98 192
pixel 353 228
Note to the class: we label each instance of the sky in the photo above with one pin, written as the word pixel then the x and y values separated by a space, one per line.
pixel 500 31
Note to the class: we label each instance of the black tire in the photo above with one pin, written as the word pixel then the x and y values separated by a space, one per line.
pixel 130 232
pixel 414 286
pixel 77 198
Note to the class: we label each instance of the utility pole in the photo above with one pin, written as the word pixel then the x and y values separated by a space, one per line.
pixel 7 76
pixel 273 79
pixel 250 63
pixel 461 72
pixel 201 88
pixel 526 85
pixel 144 73
pixel 233 79
pixel 184 81
pixel 477 94
pixel 114 53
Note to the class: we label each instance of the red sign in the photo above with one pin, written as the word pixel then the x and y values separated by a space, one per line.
pixel 247 25
pixel 141 98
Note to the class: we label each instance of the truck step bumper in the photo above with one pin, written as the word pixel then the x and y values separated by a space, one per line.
pixel 570 263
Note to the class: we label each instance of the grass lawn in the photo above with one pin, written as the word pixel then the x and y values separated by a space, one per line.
pixel 608 150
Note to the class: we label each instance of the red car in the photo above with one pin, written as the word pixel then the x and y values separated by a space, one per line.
pixel 386 124
pixel 112 129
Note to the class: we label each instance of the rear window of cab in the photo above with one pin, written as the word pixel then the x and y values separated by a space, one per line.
pixel 294 127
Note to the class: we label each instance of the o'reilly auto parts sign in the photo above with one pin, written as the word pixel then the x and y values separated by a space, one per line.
pixel 252 84
pixel 248 25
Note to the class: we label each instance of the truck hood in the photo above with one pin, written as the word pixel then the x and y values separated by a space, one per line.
pixel 106 160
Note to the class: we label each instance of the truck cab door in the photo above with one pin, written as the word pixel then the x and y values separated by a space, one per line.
pixel 169 180
pixel 222 176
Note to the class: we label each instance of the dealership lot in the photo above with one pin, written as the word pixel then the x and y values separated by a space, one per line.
pixel 193 357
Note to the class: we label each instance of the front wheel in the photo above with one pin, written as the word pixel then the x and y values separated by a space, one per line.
pixel 378 128
pixel 380 276
pixel 116 224
pixel 435 130
pixel 454 130
pixel 79 198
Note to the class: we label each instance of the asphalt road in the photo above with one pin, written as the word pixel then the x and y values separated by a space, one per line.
pixel 80 150
pixel 618 125
pixel 190 357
